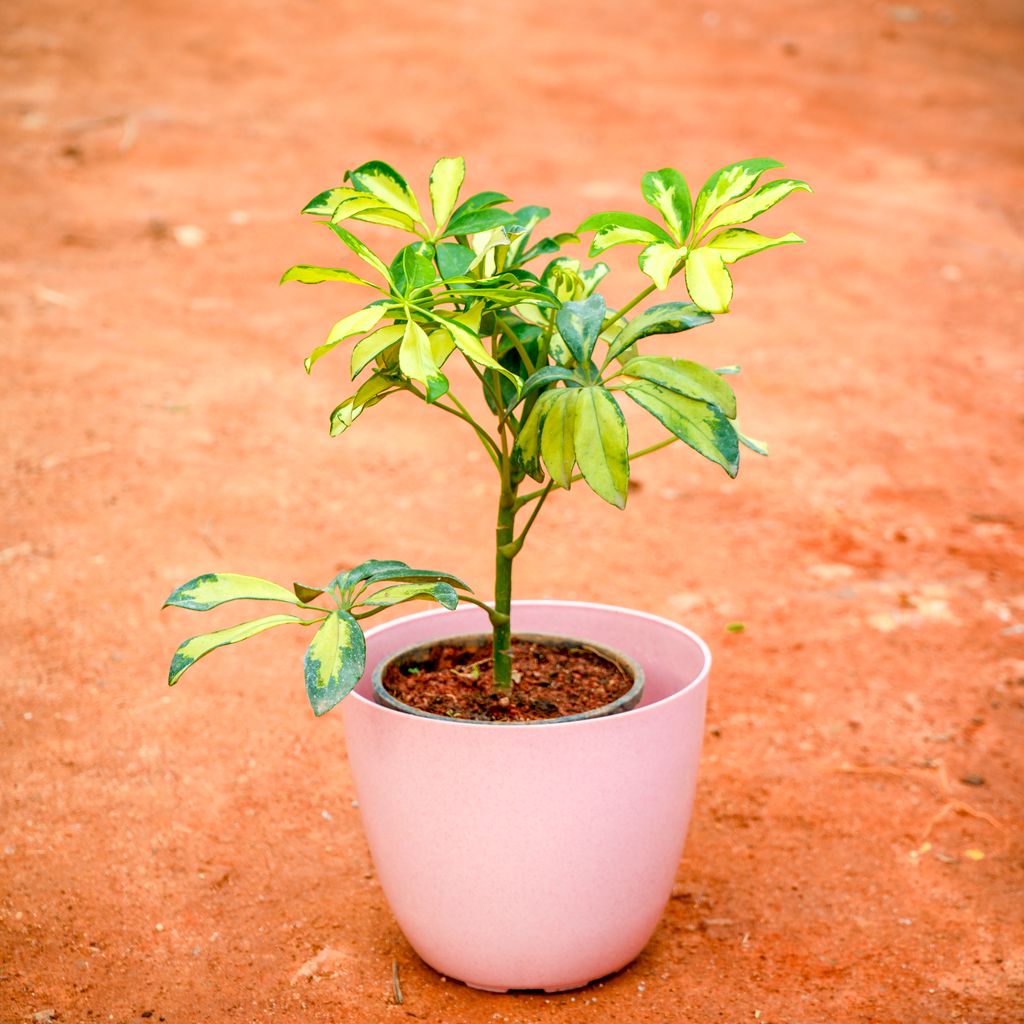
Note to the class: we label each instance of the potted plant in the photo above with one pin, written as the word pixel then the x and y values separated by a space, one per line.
pixel 527 817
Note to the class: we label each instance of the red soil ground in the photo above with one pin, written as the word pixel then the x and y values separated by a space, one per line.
pixel 194 855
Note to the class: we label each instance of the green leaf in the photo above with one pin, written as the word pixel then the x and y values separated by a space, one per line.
pixel 752 206
pixel 727 184
pixel 216 588
pixel 412 268
pixel 334 661
pixel 659 260
pixel 363 251
pixel 481 201
pixel 445 181
pixel 593 277
pixel 443 593
pixel 474 221
pixel 467 339
pixel 386 184
pixel 544 376
pixel 557 445
pixel 362 572
pixel 527 447
pixel 356 323
pixel 306 594
pixel 602 444
pixel 315 275
pixel 416 359
pixel 455 260
pixel 366 350
pixel 705 428
pixel 579 324
pixel 617 228
pixel 685 378
pixel 735 243
pixel 407 575
pixel 197 647
pixel 665 318
pixel 370 392
pixel 708 281
pixel 667 192
pixel 325 203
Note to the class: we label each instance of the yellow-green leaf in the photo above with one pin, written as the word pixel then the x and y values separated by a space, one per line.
pixel 705 428
pixel 729 183
pixel 197 647
pixel 416 360
pixel 366 350
pixel 443 593
pixel 334 661
pixel 445 181
pixel 557 445
pixel 216 588
pixel 356 323
pixel 315 275
pixel 658 261
pixel 362 250
pixel 707 280
pixel 527 446
pixel 601 441
pixel 735 243
pixel 387 184
pixel 667 192
pixel 685 378
pixel 754 205
pixel 370 393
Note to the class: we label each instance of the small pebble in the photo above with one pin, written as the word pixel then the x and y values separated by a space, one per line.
pixel 972 780
pixel 159 927
pixel 904 920
pixel 326 815
pixel 189 236
pixel 44 1016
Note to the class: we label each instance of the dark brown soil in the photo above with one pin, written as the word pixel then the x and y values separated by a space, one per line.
pixel 549 681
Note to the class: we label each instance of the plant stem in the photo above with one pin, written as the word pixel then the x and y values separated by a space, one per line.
pixel 503 539
pixel 516 344
pixel 628 306
pixel 521 539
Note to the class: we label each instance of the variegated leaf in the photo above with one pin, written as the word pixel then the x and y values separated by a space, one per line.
pixel 557 445
pixel 685 378
pixel 316 275
pixel 366 350
pixel 601 441
pixel 735 243
pixel 618 228
pixel 659 260
pixel 363 251
pixel 216 588
pixel 527 447
pixel 416 360
pixel 369 394
pixel 705 428
pixel 665 318
pixel 727 184
pixel 707 280
pixel 579 324
pixel 445 181
pixel 667 192
pixel 197 647
pixel 443 593
pixel 754 205
pixel 334 662
pixel 356 323
pixel 387 184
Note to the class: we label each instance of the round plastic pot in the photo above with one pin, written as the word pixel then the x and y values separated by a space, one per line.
pixel 532 856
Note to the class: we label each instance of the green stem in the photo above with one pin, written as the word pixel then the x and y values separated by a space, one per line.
pixel 628 306
pixel 518 543
pixel 516 344
pixel 503 537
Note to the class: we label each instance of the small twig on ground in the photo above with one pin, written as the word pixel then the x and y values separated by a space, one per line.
pixel 396 985
pixel 943 792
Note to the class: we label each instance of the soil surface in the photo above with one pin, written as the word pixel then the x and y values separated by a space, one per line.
pixel 549 681
pixel 195 855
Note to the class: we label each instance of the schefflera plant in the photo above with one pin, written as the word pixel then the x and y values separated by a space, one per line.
pixel 548 355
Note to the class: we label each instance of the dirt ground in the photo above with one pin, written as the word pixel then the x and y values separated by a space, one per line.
pixel 194 855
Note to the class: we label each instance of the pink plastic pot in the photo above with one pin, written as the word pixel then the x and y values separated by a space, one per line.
pixel 533 856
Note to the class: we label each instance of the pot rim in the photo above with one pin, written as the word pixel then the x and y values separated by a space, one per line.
pixel 550 727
